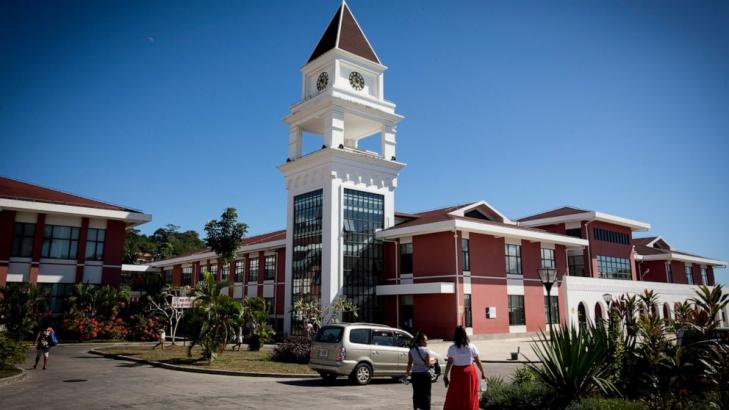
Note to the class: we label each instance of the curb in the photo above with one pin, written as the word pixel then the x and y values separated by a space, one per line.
pixel 14 379
pixel 198 370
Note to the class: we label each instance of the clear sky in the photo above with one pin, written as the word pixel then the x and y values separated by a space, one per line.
pixel 175 107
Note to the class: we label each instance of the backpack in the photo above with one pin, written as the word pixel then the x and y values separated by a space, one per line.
pixel 52 339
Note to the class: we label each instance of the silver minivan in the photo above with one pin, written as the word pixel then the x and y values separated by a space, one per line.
pixel 360 351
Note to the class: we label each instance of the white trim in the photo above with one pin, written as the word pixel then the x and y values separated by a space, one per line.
pixel 132 218
pixel 462 211
pixel 138 268
pixel 517 329
pixel 684 258
pixel 416 289
pixel 588 216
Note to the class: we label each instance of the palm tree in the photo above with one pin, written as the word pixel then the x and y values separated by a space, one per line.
pixel 220 317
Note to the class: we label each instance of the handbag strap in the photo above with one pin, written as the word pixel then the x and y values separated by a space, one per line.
pixel 417 349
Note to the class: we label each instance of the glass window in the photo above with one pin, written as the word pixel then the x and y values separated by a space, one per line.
pixel 202 269
pixel 364 213
pixel 253 270
pixel 168 276
pixel 513 259
pixel 329 334
pixel 270 267
pixel 467 310
pixel 383 338
pixel 306 252
pixel 214 269
pixel 548 259
pixel 688 269
pixel 95 244
pixel 186 276
pixel 56 294
pixel 23 235
pixel 360 336
pixel 611 236
pixel 576 233
pixel 239 270
pixel 60 242
pixel 465 256
pixel 555 310
pixel 611 267
pixel 516 310
pixel 576 265
pixel 403 339
pixel 704 276
pixel 406 258
pixel 269 305
pixel 225 274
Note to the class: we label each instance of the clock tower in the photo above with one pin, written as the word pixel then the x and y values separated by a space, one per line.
pixel 340 194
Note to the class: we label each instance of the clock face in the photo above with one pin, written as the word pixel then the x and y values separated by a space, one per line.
pixel 356 80
pixel 322 81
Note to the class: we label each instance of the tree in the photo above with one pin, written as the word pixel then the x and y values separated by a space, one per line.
pixel 164 307
pixel 22 308
pixel 224 236
pixel 312 316
pixel 165 242
pixel 220 318
pixel 254 320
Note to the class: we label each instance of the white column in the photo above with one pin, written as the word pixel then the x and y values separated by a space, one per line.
pixel 331 249
pixel 295 142
pixel 334 131
pixel 288 276
pixel 387 139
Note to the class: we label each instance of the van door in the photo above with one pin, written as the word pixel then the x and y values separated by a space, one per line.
pixel 385 352
pixel 403 343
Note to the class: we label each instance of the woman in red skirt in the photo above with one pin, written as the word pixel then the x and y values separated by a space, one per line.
pixel 460 373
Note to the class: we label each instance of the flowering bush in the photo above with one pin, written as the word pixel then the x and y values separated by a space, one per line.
pixel 83 328
pixel 141 327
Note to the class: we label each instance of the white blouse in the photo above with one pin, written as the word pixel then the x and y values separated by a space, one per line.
pixel 462 356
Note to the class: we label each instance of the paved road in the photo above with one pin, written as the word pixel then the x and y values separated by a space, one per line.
pixel 76 379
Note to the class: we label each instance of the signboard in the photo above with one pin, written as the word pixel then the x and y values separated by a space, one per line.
pixel 182 302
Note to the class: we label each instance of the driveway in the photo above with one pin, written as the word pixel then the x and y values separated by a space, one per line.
pixel 76 379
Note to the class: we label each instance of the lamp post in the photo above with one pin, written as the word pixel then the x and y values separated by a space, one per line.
pixel 548 277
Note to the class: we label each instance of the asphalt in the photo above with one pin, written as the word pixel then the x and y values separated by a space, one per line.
pixel 77 379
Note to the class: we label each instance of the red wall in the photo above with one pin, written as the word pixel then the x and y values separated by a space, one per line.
pixel 531 261
pixel 602 248
pixel 435 315
pixel 113 251
pixel 434 254
pixel 280 279
pixel 657 271
pixel 81 252
pixel 7 223
pixel 710 274
pixel 679 276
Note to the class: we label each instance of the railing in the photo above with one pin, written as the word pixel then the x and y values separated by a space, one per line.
pixel 616 275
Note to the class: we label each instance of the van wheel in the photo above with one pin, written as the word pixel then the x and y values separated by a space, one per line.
pixel 362 374
pixel 330 377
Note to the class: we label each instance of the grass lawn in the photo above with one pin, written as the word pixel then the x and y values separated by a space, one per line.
pixel 243 361
pixel 8 371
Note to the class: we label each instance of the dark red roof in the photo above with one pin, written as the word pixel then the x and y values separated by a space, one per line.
pixel 644 241
pixel 13 189
pixel 565 210
pixel 344 33
pixel 250 240
pixel 435 215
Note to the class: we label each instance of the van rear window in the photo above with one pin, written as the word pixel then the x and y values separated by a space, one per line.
pixel 330 334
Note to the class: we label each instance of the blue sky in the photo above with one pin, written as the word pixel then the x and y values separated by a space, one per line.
pixel 175 108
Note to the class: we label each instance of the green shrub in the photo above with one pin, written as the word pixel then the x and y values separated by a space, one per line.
pixel 599 403
pixel 524 375
pixel 526 395
pixel 11 352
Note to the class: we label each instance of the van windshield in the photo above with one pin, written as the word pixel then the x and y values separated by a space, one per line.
pixel 329 334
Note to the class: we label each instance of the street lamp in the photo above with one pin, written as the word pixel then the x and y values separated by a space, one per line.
pixel 548 277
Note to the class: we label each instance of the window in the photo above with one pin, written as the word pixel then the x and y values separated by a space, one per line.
pixel 360 336
pixel 306 252
pixel 576 265
pixel 576 233
pixel 704 276
pixel 23 235
pixel 95 244
pixel 363 254
pixel 56 294
pixel 516 310
pixel 611 236
pixel 201 271
pixel 186 276
pixel 168 276
pixel 555 310
pixel 383 338
pixel 465 257
pixel 406 258
pixel 239 270
pixel 269 305
pixel 688 269
pixel 214 270
pixel 548 260
pixel 329 334
pixel 613 268
pixel 60 242
pixel 513 259
pixel 225 274
pixel 253 270
pixel 270 267
pixel 467 311
pixel 402 339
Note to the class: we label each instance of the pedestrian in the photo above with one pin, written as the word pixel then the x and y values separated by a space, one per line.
pixel 460 374
pixel 419 362
pixel 43 346
pixel 238 339
pixel 162 336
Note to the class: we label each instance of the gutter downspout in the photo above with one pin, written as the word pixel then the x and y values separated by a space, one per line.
pixel 397 278
pixel 589 246
pixel 455 250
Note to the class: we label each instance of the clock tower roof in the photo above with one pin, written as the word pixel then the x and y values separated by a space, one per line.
pixel 344 33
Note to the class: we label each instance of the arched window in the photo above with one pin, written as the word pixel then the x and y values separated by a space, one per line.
pixel 598 312
pixel 581 314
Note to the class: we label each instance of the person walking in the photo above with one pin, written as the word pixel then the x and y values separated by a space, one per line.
pixel 460 373
pixel 162 336
pixel 43 347
pixel 238 339
pixel 419 362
